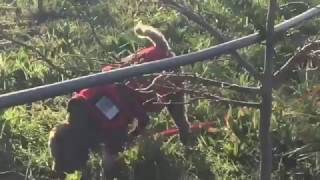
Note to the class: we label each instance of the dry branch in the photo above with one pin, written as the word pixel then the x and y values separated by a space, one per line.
pixel 198 95
pixel 222 100
pixel 193 79
pixel 7 174
pixel 300 59
pixel 213 31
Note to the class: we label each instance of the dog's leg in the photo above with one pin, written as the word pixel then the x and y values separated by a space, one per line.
pixel 113 146
pixel 110 165
pixel 178 113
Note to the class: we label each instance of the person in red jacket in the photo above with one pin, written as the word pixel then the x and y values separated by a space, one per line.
pixel 101 114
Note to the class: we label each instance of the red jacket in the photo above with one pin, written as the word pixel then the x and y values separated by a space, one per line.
pixel 148 54
pixel 151 53
pixel 112 106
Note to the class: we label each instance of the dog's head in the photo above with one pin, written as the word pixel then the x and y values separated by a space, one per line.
pixel 69 149
pixel 78 113
pixel 70 142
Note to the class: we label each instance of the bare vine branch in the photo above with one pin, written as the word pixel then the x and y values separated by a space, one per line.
pixel 8 173
pixel 201 95
pixel 208 82
pixel 218 99
pixel 300 59
pixel 213 31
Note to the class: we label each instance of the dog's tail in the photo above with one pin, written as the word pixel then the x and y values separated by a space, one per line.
pixel 152 34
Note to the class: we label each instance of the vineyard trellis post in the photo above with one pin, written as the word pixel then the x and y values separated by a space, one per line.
pixel 266 94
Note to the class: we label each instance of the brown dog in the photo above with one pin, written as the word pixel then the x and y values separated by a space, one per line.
pixel 101 114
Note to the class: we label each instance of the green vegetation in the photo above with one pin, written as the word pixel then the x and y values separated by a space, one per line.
pixel 44 41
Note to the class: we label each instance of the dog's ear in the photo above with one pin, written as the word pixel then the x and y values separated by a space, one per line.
pixel 78 113
pixel 75 105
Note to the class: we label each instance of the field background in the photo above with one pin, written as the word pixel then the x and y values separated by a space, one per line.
pixel 46 41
